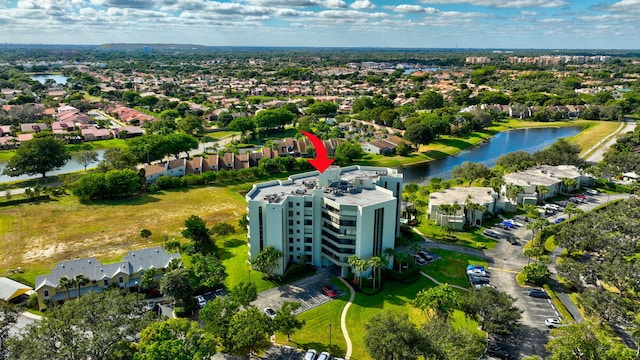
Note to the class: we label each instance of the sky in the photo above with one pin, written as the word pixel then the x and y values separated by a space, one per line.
pixel 517 24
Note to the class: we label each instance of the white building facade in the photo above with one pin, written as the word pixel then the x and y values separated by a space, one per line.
pixel 322 219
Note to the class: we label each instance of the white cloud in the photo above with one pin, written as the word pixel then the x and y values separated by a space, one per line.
pixel 412 9
pixel 628 6
pixel 333 4
pixel 502 3
pixel 528 13
pixel 362 5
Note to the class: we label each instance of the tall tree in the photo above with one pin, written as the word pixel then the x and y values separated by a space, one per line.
pixel 391 336
pixel 208 269
pixel 98 326
pixel 8 318
pixel 441 300
pixel 65 283
pixel 217 315
pixel 347 151
pixel 267 261
pixel 471 171
pixel 175 339
pixel 80 280
pixel 376 264
pixel 248 329
pixel 441 340
pixel 177 284
pixel 38 156
pixel 244 293
pixel 285 321
pixel 145 234
pixel 494 310
pixel 87 157
pixel 196 230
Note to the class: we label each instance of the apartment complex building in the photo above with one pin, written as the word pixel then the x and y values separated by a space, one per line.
pixel 323 218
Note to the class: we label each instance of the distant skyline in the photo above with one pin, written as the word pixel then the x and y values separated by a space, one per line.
pixel 544 24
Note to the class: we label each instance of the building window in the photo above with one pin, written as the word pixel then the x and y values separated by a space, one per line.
pixel 378 227
pixel 298 231
pixel 290 248
pixel 106 282
pixel 298 222
pixel 308 239
pixel 290 212
pixel 290 204
pixel 120 279
pixel 307 248
pixel 308 204
pixel 291 231
pixel 94 282
pixel 290 222
pixel 290 240
pixel 308 222
pixel 46 293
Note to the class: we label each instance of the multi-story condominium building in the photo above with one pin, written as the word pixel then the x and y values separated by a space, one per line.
pixel 323 218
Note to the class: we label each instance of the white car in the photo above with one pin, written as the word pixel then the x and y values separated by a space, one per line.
pixel 201 301
pixel 270 312
pixel 553 323
pixel 476 272
pixel 324 356
pixel 310 355
pixel 592 192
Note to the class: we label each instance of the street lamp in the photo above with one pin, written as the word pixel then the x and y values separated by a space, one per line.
pixel 137 287
pixel 329 337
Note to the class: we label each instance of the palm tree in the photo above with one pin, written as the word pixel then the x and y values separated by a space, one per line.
pixel 512 192
pixel 572 209
pixel 568 184
pixel 536 226
pixel 402 258
pixel 80 280
pixel 65 283
pixel 541 191
pixel 361 266
pixel 353 263
pixel 389 253
pixel 376 263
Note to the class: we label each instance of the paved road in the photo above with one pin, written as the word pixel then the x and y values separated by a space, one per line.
pixel 596 152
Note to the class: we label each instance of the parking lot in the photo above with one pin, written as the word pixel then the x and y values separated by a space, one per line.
pixel 307 291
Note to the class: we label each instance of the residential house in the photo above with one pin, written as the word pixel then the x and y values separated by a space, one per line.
pixel 62 127
pixel 126 275
pixel 384 146
pixel 547 176
pixel 127 132
pixel 12 290
pixel 33 127
pixel 484 198
pixel 92 134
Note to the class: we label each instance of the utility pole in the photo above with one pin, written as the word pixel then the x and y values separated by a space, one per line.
pixel 329 337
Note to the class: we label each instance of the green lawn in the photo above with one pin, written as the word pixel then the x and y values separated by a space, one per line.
pixel 395 297
pixel 473 239
pixel 452 267
pixel 232 250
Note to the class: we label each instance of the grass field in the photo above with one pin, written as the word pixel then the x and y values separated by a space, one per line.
pixel 452 267
pixel 36 236
pixel 594 133
pixel 473 239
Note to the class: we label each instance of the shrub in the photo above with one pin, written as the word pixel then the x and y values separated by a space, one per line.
pixel 536 273
pixel 172 245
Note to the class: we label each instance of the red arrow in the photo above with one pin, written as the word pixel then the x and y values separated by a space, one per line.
pixel 321 162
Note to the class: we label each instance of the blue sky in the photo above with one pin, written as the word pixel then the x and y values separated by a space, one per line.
pixel 548 24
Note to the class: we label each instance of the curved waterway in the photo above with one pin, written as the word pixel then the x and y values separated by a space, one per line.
pixel 529 140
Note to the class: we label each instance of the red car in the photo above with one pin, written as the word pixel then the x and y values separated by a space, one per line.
pixel 329 291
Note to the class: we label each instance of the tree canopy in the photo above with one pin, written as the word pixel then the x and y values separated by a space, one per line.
pixel 38 156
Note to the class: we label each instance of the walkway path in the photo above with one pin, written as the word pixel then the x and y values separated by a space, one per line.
pixel 438 282
pixel 343 319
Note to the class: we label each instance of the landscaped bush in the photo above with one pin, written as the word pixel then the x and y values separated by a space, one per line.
pixel 181 312
pixel 407 275
pixel 114 184
pixel 536 273
pixel 170 182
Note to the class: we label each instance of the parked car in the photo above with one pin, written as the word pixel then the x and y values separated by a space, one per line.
pixel 512 239
pixel 559 220
pixel 506 225
pixel 149 306
pixel 491 233
pixel 327 290
pixel 515 223
pixel 521 218
pixel 310 355
pixel 497 352
pixel 553 323
pixel 270 312
pixel 201 301
pixel 475 280
pixel 324 356
pixel 592 192
pixel 503 226
pixel 419 260
pixel 209 296
pixel 538 293
pixel 425 255
pixel 476 272
pixel 220 293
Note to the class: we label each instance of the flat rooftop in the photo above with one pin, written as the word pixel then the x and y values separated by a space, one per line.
pixel 276 192
pixel 459 195
pixel 542 175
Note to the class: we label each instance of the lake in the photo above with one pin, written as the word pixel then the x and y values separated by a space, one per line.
pixel 60 79
pixel 529 140
pixel 71 166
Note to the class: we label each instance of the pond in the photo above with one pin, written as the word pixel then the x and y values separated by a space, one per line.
pixel 71 166
pixel 60 79
pixel 529 140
